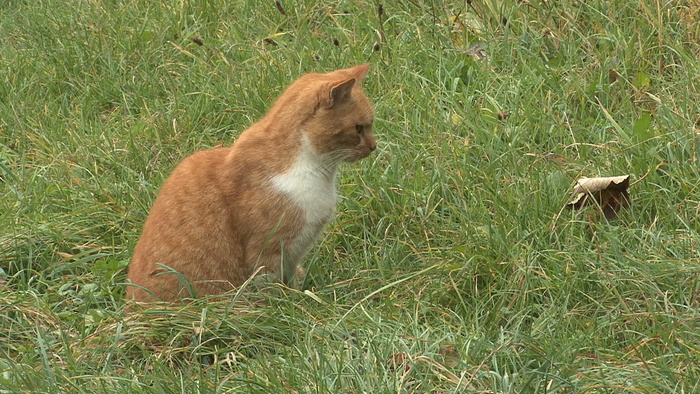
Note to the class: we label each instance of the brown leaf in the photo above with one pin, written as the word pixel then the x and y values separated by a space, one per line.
pixel 399 361
pixel 477 51
pixel 450 356
pixel 608 193
pixel 66 256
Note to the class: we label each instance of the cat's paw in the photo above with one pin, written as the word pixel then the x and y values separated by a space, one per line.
pixel 298 278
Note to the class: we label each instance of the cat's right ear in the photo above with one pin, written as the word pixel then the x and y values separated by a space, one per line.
pixel 360 71
pixel 340 92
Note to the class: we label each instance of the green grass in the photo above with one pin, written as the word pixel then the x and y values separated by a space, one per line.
pixel 452 265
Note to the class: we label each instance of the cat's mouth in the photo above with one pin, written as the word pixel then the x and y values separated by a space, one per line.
pixel 359 155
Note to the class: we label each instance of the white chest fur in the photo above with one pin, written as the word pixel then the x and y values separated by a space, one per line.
pixel 311 184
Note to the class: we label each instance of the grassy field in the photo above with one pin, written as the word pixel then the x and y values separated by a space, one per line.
pixel 452 265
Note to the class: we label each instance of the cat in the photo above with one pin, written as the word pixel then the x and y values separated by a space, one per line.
pixel 224 213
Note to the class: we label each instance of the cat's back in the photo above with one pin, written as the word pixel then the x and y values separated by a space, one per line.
pixel 193 189
pixel 199 168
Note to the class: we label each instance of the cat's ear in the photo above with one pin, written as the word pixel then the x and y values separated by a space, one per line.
pixel 340 92
pixel 360 71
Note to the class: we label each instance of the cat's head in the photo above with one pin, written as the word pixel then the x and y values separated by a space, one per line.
pixel 341 124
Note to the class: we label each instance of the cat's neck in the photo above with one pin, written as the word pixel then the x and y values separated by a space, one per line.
pixel 310 181
pixel 310 164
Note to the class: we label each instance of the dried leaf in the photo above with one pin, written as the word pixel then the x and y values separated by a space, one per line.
pixel 399 361
pixel 66 256
pixel 590 185
pixel 608 193
pixel 450 356
pixel 477 51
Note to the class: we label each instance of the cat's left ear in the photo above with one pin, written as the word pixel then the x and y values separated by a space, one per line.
pixel 340 92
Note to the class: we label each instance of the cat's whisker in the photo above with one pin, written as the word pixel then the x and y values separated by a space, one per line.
pixel 340 155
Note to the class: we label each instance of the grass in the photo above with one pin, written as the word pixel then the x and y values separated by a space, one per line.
pixel 452 265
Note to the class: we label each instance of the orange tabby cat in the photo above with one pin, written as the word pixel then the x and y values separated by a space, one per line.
pixel 225 212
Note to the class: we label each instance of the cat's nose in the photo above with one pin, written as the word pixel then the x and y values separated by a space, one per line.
pixel 371 143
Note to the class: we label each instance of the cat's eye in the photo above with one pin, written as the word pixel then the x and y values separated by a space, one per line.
pixel 359 128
